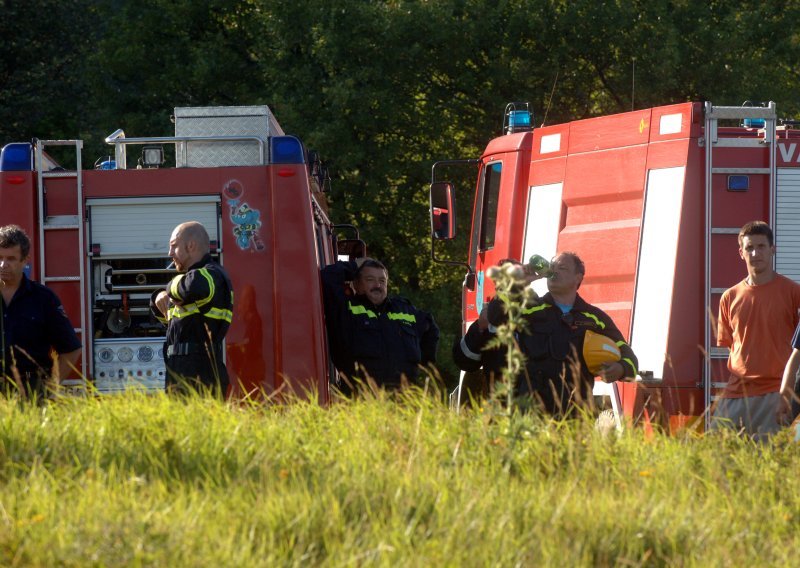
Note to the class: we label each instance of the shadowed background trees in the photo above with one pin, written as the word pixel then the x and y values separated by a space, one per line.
pixel 382 89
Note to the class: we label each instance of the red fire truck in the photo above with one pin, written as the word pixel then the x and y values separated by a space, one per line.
pixel 652 200
pixel 101 241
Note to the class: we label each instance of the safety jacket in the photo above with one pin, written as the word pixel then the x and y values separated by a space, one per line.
pixel 385 342
pixel 555 371
pixel 199 315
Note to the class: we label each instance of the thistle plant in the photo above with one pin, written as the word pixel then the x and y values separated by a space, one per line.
pixel 512 290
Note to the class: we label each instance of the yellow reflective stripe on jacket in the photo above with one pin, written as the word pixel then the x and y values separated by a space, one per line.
pixel 534 309
pixel 210 279
pixel 629 362
pixel 183 311
pixel 359 310
pixel 219 314
pixel 599 323
pixel 173 286
pixel 402 316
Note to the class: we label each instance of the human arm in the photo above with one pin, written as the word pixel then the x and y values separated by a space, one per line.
pixel 429 340
pixel 783 412
pixel 628 364
pixel 65 363
pixel 467 350
pixel 334 276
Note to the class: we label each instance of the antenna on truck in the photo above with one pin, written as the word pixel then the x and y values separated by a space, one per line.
pixel 550 100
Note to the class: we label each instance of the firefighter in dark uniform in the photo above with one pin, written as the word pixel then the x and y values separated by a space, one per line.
pixel 32 322
pixel 371 334
pixel 560 326
pixel 197 307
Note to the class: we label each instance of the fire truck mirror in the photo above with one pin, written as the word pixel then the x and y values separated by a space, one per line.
pixel 443 212
pixel 350 249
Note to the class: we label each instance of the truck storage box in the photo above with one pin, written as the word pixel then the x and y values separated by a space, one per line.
pixel 224 121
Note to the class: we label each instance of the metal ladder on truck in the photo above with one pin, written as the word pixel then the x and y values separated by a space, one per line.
pixel 766 140
pixel 65 274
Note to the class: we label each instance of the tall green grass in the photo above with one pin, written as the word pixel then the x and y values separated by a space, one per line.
pixel 138 480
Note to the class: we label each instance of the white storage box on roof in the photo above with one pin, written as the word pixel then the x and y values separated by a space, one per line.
pixel 225 121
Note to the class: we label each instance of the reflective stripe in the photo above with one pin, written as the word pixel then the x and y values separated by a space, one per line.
pixel 183 311
pixel 163 319
pixel 359 310
pixel 600 324
pixel 629 362
pixel 402 316
pixel 534 309
pixel 173 286
pixel 219 314
pixel 468 352
pixel 207 275
pixel 621 343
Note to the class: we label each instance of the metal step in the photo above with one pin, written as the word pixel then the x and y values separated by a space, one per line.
pixel 79 143
pixel 741 142
pixel 740 112
pixel 718 352
pixel 759 171
pixel 62 222
pixel 59 174
pixel 62 278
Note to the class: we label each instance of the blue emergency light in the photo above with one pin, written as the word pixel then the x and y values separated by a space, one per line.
pixel 16 157
pixel 286 150
pixel 517 118
pixel 755 123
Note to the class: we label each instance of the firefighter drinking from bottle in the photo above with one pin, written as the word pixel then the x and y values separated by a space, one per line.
pixel 566 342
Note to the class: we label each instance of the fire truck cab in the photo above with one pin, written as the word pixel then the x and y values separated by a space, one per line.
pixel 100 241
pixel 652 200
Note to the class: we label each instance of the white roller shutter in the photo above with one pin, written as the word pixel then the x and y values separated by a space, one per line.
pixel 141 227
pixel 787 223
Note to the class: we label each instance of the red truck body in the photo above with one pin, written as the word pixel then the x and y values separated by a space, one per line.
pixel 100 241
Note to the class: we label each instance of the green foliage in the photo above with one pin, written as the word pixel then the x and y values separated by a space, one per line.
pixel 136 480
pixel 383 88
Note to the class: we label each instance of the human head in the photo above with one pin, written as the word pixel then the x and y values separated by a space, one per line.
pixel 568 273
pixel 756 228
pixel 372 280
pixel 15 246
pixel 757 248
pixel 188 244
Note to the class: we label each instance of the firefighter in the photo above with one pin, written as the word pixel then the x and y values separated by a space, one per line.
pixel 370 334
pixel 32 321
pixel 197 307
pixel 563 337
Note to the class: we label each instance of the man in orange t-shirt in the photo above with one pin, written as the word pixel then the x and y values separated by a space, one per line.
pixel 757 318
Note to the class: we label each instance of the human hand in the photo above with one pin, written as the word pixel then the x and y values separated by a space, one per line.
pixel 783 414
pixel 162 302
pixel 611 372
pixel 483 319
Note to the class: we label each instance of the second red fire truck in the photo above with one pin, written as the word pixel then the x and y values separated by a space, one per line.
pixel 652 200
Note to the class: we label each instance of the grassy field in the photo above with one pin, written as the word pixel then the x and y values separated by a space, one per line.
pixel 144 481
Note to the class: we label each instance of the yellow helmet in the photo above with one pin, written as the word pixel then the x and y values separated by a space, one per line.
pixel 599 350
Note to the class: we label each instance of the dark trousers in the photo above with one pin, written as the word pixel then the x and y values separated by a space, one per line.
pixel 197 373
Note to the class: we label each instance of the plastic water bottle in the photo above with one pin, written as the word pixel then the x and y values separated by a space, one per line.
pixel 540 265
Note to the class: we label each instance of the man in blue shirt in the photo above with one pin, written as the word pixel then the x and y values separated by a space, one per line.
pixel 33 323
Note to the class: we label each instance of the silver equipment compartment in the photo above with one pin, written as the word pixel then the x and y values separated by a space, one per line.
pixel 257 121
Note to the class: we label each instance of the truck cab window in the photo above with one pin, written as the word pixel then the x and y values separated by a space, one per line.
pixel 491 197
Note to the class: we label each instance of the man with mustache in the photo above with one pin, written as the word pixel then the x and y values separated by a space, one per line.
pixel 371 334
pixel 32 322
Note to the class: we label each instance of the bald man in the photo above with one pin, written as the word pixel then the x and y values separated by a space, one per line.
pixel 197 307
